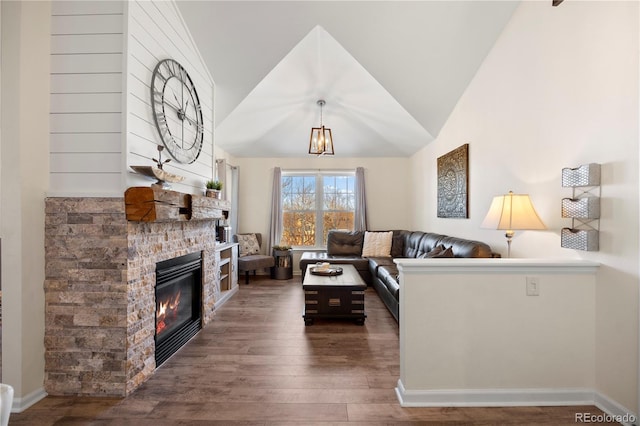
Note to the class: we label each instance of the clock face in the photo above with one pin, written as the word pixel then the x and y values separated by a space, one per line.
pixel 176 111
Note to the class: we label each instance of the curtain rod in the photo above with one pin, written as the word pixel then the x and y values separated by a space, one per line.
pixel 218 161
pixel 319 170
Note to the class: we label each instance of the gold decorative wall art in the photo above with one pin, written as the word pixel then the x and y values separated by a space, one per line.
pixel 453 183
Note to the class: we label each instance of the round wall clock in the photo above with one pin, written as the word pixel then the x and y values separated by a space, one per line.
pixel 176 111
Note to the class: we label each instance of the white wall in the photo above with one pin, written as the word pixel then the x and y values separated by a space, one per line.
pixel 470 334
pixel 57 60
pixel 102 59
pixel 559 89
pixel 386 199
pixel 87 63
pixel 24 180
pixel 220 154
pixel 224 173
pixel 386 182
pixel 156 31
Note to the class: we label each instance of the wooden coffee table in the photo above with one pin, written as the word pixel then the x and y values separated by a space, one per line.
pixel 339 296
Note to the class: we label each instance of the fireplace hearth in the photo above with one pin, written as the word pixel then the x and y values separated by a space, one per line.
pixel 178 303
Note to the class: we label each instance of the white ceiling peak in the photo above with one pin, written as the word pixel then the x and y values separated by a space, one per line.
pixel 275 119
pixel 422 54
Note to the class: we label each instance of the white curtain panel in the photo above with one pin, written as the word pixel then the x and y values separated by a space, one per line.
pixel 229 176
pixel 360 220
pixel 234 171
pixel 275 228
pixel 221 175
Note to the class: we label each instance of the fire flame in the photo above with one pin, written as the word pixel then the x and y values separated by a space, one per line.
pixel 167 309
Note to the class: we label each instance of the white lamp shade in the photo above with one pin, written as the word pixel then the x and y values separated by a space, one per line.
pixel 512 212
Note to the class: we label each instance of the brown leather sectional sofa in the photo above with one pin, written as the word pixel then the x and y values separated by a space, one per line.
pixel 382 272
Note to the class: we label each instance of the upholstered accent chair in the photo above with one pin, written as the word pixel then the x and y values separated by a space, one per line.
pixel 250 257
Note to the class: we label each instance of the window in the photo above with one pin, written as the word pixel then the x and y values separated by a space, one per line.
pixel 313 203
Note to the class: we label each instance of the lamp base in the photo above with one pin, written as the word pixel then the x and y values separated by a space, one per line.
pixel 509 235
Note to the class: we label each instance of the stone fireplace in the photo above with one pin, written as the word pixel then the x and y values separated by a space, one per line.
pixel 100 307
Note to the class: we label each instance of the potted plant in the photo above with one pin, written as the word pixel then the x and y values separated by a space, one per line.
pixel 213 188
pixel 283 268
pixel 281 247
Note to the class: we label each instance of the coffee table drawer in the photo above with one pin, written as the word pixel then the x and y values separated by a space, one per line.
pixel 339 296
pixel 334 303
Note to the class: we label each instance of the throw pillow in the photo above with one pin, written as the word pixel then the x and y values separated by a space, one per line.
pixel 248 244
pixel 341 243
pixel 437 252
pixel 397 244
pixel 445 253
pixel 433 253
pixel 377 244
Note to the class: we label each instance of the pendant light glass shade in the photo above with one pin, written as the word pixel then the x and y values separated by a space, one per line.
pixel 321 140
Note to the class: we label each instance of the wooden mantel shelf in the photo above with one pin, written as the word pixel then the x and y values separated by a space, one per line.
pixel 148 204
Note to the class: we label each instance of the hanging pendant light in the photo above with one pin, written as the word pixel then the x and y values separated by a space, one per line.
pixel 321 141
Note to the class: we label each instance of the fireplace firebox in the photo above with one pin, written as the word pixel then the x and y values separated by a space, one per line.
pixel 178 303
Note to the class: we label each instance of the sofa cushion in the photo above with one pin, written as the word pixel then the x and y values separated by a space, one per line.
pixel 412 244
pixel 376 262
pixel 466 248
pixel 433 253
pixel 448 252
pixel 341 243
pixel 429 242
pixel 252 262
pixel 397 243
pixel 438 252
pixel 377 244
pixel 388 274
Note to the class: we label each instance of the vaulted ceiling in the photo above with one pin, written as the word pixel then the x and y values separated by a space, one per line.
pixel 390 72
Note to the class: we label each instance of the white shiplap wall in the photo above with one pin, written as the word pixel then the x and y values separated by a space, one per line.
pixel 102 58
pixel 157 32
pixel 87 45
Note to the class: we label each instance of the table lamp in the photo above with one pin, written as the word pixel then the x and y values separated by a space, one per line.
pixel 512 212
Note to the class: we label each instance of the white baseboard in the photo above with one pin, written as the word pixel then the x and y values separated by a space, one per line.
pixel 515 397
pixel 492 397
pixel 22 403
pixel 621 414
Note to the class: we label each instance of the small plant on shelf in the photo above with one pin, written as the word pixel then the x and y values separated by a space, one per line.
pixel 281 247
pixel 214 184
pixel 213 188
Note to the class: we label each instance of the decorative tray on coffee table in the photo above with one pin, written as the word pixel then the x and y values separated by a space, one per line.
pixel 332 270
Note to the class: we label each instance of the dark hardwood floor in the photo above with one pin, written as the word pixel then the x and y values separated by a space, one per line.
pixel 257 364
